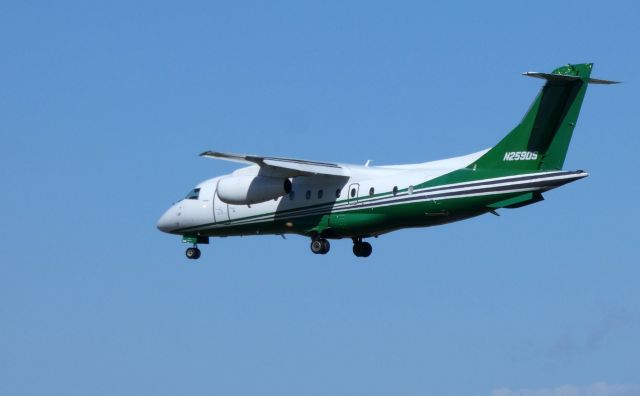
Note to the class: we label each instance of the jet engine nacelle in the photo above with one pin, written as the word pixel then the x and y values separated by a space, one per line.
pixel 247 190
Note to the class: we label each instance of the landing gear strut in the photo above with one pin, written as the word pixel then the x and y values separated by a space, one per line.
pixel 361 249
pixel 193 253
pixel 320 246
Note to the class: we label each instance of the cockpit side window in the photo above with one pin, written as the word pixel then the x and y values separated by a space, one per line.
pixel 193 194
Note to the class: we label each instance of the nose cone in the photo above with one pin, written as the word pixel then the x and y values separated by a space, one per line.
pixel 167 221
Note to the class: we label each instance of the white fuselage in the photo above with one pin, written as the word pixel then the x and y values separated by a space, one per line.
pixel 307 191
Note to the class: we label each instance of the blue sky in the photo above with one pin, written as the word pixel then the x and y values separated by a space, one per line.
pixel 104 107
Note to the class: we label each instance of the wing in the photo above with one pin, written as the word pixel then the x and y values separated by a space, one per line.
pixel 283 167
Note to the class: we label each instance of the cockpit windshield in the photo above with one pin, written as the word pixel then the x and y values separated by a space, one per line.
pixel 193 194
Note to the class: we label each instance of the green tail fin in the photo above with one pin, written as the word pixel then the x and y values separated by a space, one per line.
pixel 541 140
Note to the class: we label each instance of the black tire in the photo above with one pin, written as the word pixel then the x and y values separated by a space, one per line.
pixel 366 249
pixel 362 249
pixel 326 246
pixel 192 253
pixel 316 246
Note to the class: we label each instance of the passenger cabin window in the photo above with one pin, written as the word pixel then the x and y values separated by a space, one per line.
pixel 371 191
pixel 320 194
pixel 395 190
pixel 353 192
pixel 193 194
pixel 308 195
pixel 338 193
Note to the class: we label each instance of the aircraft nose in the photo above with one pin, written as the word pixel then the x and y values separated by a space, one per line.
pixel 167 221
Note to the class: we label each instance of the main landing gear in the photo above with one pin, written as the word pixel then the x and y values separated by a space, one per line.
pixel 361 249
pixel 193 253
pixel 320 246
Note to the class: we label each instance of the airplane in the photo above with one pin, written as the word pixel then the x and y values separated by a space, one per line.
pixel 325 201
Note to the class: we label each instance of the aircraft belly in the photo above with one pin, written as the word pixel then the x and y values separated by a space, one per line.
pixel 375 221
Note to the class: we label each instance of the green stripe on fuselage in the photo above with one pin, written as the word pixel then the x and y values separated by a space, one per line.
pixel 374 215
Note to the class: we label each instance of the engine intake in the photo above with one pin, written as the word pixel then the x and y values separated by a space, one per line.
pixel 247 190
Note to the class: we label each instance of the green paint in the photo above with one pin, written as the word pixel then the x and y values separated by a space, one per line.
pixel 538 144
pixel 546 128
pixel 518 201
pixel 195 239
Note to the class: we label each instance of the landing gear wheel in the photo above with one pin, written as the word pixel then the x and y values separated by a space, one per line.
pixel 193 253
pixel 320 246
pixel 325 246
pixel 366 249
pixel 362 249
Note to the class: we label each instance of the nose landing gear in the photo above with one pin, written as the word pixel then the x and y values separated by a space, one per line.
pixel 192 253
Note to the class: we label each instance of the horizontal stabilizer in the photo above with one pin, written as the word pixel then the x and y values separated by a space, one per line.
pixel 598 81
pixel 562 77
